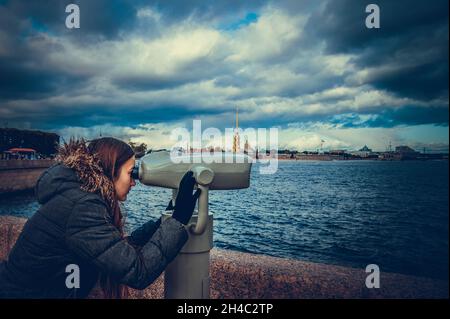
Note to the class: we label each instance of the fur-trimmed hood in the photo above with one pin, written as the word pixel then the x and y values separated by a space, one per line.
pixel 75 167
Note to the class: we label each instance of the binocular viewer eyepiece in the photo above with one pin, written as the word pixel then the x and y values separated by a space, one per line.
pixel 135 173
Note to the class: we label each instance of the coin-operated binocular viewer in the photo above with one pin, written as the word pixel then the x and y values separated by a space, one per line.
pixel 187 276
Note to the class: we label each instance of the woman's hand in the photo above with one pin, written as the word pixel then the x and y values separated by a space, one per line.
pixel 185 201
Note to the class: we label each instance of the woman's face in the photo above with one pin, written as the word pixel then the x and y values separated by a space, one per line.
pixel 124 182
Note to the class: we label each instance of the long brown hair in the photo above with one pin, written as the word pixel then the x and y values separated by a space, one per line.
pixel 111 154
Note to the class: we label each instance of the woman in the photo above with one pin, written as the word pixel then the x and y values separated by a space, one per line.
pixel 80 223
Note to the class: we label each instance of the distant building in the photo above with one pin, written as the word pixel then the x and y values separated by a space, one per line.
pixel 364 152
pixel 337 152
pixel 365 149
pixel 404 149
pixel 404 152
pixel 19 153
pixel 43 143
pixel 387 156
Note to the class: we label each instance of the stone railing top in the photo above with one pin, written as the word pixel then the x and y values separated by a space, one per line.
pixel 20 164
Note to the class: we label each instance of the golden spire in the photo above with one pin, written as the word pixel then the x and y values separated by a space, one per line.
pixel 237 118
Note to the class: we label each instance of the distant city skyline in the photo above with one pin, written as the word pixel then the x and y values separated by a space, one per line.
pixel 137 70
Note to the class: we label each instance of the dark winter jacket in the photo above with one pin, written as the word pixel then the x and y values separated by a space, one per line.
pixel 74 226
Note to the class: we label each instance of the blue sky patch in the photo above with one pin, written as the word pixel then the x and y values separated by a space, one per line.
pixel 249 18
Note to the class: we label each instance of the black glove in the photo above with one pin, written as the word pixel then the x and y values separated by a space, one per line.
pixel 185 201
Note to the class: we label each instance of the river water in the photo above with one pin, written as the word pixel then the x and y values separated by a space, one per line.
pixel 350 213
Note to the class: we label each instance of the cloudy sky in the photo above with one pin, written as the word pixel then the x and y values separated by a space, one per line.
pixel 139 69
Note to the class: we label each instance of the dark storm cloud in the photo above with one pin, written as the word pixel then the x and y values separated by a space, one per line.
pixel 97 18
pixel 24 72
pixel 422 81
pixel 416 116
pixel 342 22
pixel 144 83
pixel 18 81
pixel 189 73
pixel 407 115
pixel 411 44
pixel 95 114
